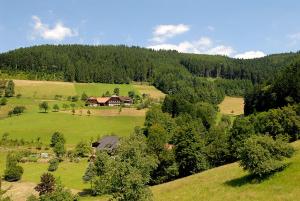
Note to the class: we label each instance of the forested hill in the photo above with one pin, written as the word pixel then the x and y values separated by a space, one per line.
pixel 121 64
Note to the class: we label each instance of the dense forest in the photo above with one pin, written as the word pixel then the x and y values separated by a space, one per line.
pixel 284 90
pixel 121 64
pixel 177 74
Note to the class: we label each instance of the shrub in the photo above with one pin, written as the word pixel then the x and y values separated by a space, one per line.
pixel 13 171
pixel 82 149
pixel 261 155
pixel 53 164
pixel 17 110
pixel 44 106
pixel 57 137
pixel 3 101
pixel 47 184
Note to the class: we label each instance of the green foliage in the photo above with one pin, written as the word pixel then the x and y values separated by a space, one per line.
pixel 125 176
pixel 10 89
pixel 206 112
pixel 53 164
pixel 82 149
pixel 284 121
pixel 3 101
pixel 57 137
pixel 242 129
pixel 84 96
pixel 284 90
pixel 131 94
pixel 55 108
pixel 60 193
pixel 117 91
pixel 51 190
pixel 189 151
pixel 217 148
pixel 44 106
pixel 90 172
pixel 59 149
pixel 65 106
pixel 17 110
pixel 13 171
pixel 46 185
pixel 261 155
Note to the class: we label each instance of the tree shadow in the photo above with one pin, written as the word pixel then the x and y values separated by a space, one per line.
pixel 253 179
pixel 85 192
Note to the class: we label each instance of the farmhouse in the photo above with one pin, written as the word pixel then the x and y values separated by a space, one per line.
pixel 109 101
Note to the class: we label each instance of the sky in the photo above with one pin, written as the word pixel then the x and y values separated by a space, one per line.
pixel 235 28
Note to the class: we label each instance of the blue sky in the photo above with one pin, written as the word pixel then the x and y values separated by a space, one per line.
pixel 233 27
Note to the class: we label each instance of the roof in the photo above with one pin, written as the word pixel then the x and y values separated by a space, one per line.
pixel 107 143
pixel 103 99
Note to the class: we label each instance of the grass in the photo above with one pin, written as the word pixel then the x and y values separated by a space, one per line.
pixel 232 106
pixel 48 89
pixel 74 127
pixel 151 90
pixel 230 182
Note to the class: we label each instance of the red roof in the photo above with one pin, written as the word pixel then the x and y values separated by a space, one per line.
pixel 103 99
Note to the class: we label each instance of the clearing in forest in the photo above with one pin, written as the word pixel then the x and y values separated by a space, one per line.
pixel 232 106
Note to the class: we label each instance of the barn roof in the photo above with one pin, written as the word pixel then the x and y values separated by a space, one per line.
pixel 107 143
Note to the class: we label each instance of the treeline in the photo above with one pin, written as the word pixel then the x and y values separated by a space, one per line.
pixel 256 70
pixel 121 64
pixel 284 90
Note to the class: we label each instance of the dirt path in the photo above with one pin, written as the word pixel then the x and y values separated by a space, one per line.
pixel 19 191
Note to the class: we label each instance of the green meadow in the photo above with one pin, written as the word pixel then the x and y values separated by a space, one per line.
pixel 48 89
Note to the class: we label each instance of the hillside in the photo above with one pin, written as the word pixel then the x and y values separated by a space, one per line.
pixel 226 183
pixel 230 182
pixel 102 121
pixel 122 64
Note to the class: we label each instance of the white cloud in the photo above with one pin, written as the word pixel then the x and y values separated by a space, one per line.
pixel 163 32
pixel 204 45
pixel 250 55
pixel 59 32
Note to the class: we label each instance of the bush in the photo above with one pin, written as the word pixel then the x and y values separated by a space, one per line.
pixel 82 149
pixel 53 164
pixel 13 172
pixel 261 155
pixel 17 110
pixel 3 101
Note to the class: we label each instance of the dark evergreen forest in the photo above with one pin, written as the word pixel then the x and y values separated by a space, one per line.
pixel 185 77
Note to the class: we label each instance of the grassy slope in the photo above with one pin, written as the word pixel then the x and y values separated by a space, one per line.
pixel 33 124
pixel 48 89
pixel 74 128
pixel 230 182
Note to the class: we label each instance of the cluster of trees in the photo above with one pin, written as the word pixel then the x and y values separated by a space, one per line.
pixel 125 175
pixel 284 90
pixel 51 189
